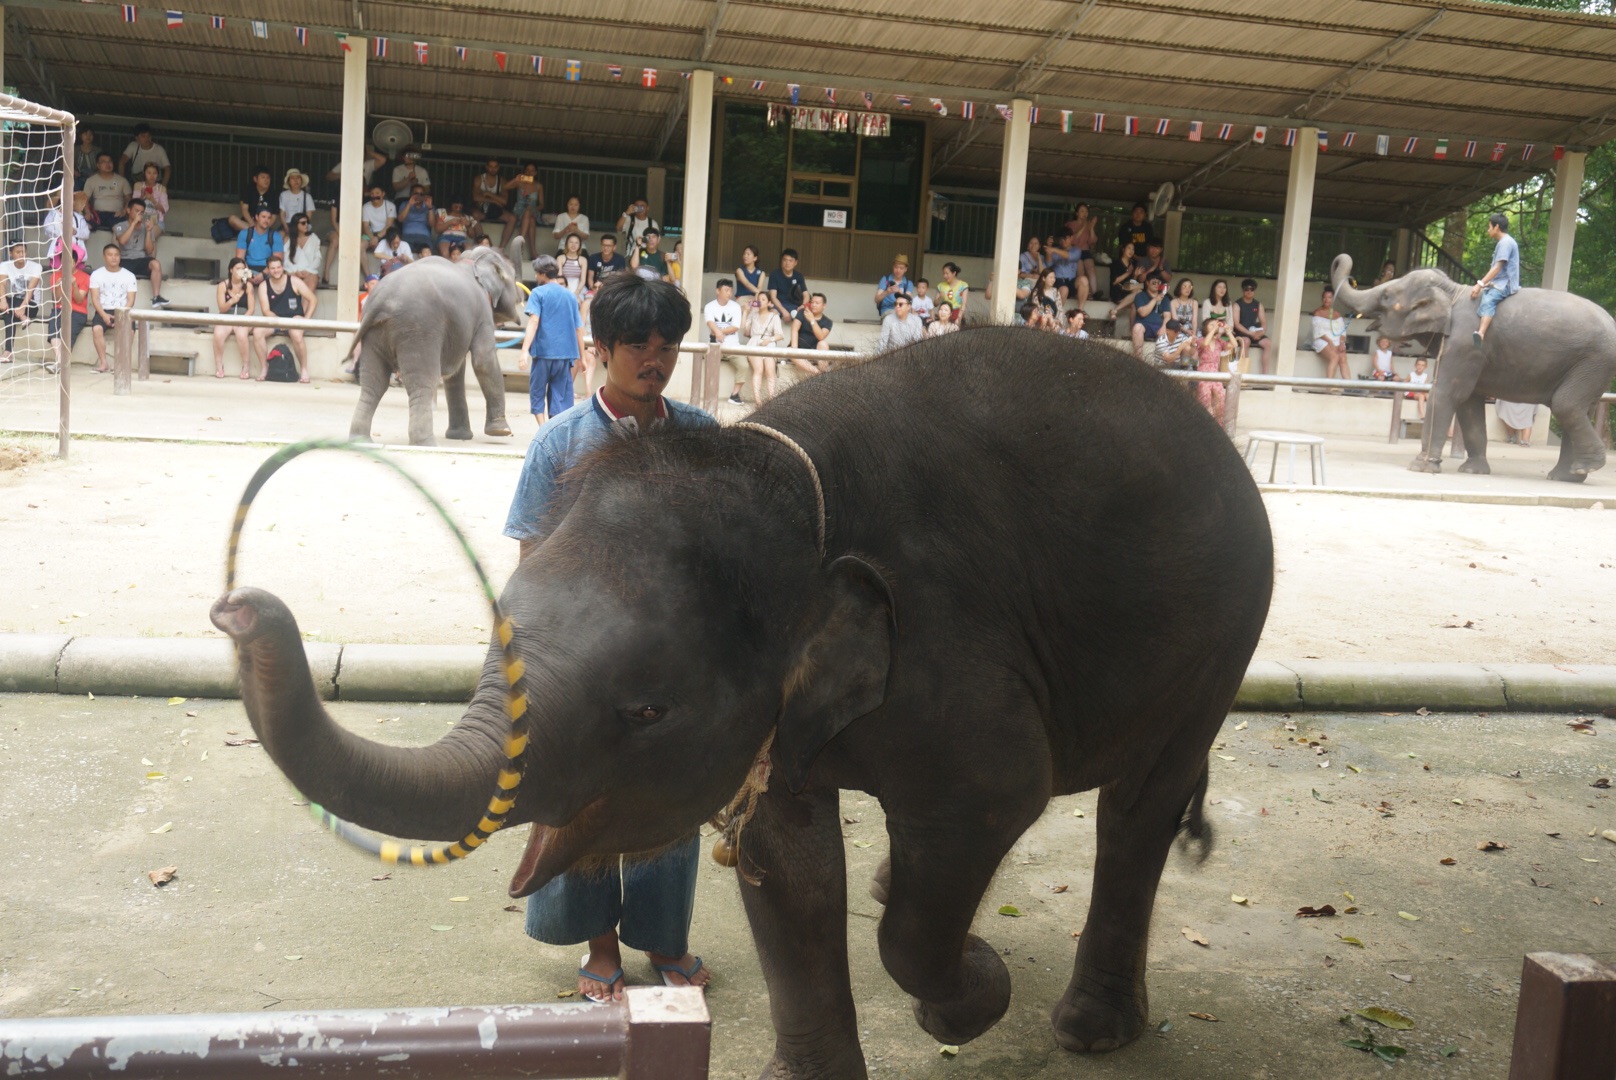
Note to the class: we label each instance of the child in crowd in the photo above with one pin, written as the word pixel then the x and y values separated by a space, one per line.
pixel 923 302
pixel 1216 350
pixel 1419 377
pixel 1383 370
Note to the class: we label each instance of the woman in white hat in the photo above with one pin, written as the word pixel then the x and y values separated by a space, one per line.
pixel 295 200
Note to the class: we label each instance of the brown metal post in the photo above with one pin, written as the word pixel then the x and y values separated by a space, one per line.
pixel 64 303
pixel 1397 417
pixel 143 348
pixel 669 1034
pixel 1231 403
pixel 123 347
pixel 1565 1025
pixel 712 362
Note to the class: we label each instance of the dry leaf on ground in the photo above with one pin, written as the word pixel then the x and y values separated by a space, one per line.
pixel 1208 1017
pixel 1194 936
pixel 163 875
pixel 1315 912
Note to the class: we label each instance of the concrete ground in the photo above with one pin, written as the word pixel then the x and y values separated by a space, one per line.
pixel 268 911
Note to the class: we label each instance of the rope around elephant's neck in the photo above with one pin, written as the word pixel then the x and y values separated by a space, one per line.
pixel 504 796
pixel 813 474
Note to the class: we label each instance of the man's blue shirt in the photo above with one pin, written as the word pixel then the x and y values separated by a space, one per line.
pixel 1507 252
pixel 559 321
pixel 259 246
pixel 563 441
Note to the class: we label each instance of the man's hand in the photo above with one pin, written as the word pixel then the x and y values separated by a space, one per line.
pixel 1475 290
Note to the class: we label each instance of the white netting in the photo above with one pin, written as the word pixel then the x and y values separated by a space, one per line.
pixel 31 171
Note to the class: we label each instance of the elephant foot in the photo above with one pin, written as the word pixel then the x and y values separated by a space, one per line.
pixel 1092 1023
pixel 462 434
pixel 1568 476
pixel 839 1064
pixel 1421 464
pixel 881 883
pixel 986 997
pixel 497 427
pixel 1476 465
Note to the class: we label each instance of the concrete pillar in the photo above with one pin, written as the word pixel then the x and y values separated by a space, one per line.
pixel 1402 252
pixel 350 257
pixel 1563 220
pixel 1285 317
pixel 698 170
pixel 1172 232
pixel 656 182
pixel 1007 238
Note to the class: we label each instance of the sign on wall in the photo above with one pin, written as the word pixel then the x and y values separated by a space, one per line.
pixel 835 219
pixel 869 124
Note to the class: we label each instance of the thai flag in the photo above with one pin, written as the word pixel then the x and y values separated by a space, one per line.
pixel 218 22
pixel 1348 139
pixel 968 109
pixel 420 52
pixel 1130 125
pixel 1526 151
pixel 1225 131
pixel 1195 131
pixel 794 90
pixel 1410 143
pixel 1290 137
pixel 615 70
pixel 1470 148
pixel 938 107
pixel 648 78
pixel 175 20
pixel 460 53
pixel 536 61
pixel 302 35
pixel 1032 115
pixel 1162 125
pixel 757 84
pixel 575 70
pixel 904 101
pixel 128 13
pixel 1099 121
pixel 1498 150
pixel 379 49
pixel 1324 141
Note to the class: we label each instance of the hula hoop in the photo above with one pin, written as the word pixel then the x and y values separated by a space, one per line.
pixel 500 802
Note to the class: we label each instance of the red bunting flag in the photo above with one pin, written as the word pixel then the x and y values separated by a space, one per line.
pixel 499 60
pixel 420 51
pixel 648 78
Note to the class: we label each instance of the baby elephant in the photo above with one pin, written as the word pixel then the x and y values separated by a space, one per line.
pixel 421 321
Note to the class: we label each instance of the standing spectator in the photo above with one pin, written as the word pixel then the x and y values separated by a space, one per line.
pixel 375 217
pixel 51 227
pixel 788 289
pixel 258 243
pixel 955 290
pixel 1382 370
pixel 893 285
pixel 1149 312
pixel 373 160
pixel 573 266
pixel 260 195
pixel 21 300
pixel 1215 351
pixel 1183 306
pixel 410 174
pixel 648 261
pixel 1251 323
pixel 1502 280
pixel 901 326
pixel 554 341
pixel 78 303
pixel 574 222
pixel 293 200
pixel 143 151
pixel 923 301
pixel 1084 239
pixel 136 237
pixel 811 330
pixel 152 191
pixel 234 296
pixel 108 194
pixel 488 199
pixel 527 205
pixel 1330 338
pixel 415 220
pixel 285 297
pixel 634 222
pixel 1136 231
pixel 942 320
pixel 1075 319
pixel 1517 418
pixel 451 226
pixel 1065 258
pixel 392 251
pixel 723 318
pixel 1174 347
pixel 1043 306
pixel 112 292
pixel 753 286
pixel 86 152
pixel 303 252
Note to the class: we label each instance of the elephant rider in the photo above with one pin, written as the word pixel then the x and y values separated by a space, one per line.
pixel 637 325
pixel 1503 278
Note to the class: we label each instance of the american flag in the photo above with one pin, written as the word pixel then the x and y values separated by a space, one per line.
pixel 1470 148
pixel 1348 139
pixel 1195 131
pixel 1410 143
pixel 420 51
pixel 175 20
pixel 1225 131
pixel 648 78
pixel 303 35
pixel 757 84
pixel 1526 151
pixel 1290 137
pixel 1099 121
pixel 904 101
pixel 968 109
pixel 128 13
pixel 1162 125
pixel 218 22
pixel 615 70
pixel 1130 125
pixel 379 49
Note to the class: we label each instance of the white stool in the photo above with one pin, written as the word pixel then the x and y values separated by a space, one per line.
pixel 1290 440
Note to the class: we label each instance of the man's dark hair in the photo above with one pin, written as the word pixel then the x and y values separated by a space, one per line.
pixel 111 247
pixel 1501 220
pixel 1174 324
pixel 261 170
pixel 724 283
pixel 138 202
pixel 652 232
pixel 818 296
pixel 103 154
pixel 607 236
pixel 142 129
pixel 1248 284
pixel 629 308
pixel 789 251
pixel 1141 206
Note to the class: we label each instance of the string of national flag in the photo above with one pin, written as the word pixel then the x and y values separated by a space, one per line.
pixel 573 70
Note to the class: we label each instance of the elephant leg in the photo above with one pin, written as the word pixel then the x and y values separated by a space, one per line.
pixel 1452 387
pixel 1580 449
pixel 1473 424
pixel 1105 1004
pixel 798 915
pixel 373 371
pixel 454 394
pixel 485 365
pixel 422 396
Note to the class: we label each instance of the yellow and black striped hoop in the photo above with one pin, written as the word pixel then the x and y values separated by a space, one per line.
pixel 504 796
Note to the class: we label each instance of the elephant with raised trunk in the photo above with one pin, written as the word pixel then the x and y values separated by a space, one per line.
pixel 1010 591
pixel 420 321
pixel 1545 347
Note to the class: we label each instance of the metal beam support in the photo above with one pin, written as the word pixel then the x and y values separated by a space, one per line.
pixel 1033 70
pixel 30 56
pixel 953 147
pixel 670 120
pixel 1337 88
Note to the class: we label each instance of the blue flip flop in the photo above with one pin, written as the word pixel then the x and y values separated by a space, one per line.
pixel 669 969
pixel 616 977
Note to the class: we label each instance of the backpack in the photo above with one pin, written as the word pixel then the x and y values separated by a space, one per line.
pixel 222 230
pixel 280 366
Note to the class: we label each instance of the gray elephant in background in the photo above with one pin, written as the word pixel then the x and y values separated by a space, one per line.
pixel 1545 347
pixel 421 321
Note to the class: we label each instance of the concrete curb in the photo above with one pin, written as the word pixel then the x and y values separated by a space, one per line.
pixel 206 667
pixel 1497 498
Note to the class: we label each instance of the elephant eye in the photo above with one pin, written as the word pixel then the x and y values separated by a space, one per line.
pixel 646 714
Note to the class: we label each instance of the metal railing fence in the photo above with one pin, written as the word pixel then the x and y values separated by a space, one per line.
pixel 1427 254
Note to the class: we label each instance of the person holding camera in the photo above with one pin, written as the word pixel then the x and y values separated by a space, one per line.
pixel 635 223
pixel 235 296
pixel 409 174
pixel 528 205
pixel 415 219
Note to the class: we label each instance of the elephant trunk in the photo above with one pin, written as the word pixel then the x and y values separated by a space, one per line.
pixel 437 792
pixel 1348 298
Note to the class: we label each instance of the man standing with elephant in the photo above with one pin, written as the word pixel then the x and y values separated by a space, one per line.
pixel 1503 278
pixel 646 904
pixel 554 342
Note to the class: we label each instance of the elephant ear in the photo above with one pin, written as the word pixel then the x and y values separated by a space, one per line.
pixel 1428 305
pixel 488 277
pixel 842 671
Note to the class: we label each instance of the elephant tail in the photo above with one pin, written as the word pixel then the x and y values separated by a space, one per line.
pixel 1195 829
pixel 359 336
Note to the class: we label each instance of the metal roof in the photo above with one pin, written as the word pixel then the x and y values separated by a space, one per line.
pixel 1421 69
